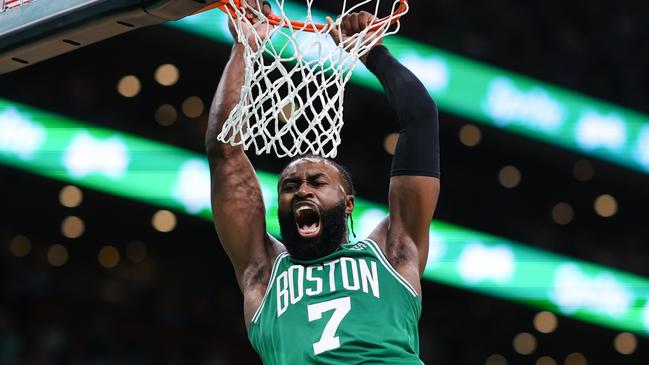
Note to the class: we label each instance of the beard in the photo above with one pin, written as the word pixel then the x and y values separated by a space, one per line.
pixel 333 228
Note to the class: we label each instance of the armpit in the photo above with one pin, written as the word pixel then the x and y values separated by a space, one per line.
pixel 257 274
pixel 401 253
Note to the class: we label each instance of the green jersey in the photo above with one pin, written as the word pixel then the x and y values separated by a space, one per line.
pixel 350 307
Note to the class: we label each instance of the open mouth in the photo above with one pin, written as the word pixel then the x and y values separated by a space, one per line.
pixel 307 219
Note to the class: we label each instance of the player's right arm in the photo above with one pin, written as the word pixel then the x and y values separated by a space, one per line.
pixel 237 204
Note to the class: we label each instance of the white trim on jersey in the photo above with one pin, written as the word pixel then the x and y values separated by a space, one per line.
pixel 279 258
pixel 377 251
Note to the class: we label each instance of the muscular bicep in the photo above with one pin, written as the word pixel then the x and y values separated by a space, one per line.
pixel 412 203
pixel 239 216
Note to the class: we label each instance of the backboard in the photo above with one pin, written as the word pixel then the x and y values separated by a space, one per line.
pixel 35 30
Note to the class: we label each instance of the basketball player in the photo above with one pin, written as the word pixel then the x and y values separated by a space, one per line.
pixel 316 298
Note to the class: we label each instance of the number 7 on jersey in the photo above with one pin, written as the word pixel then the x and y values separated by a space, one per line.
pixel 329 340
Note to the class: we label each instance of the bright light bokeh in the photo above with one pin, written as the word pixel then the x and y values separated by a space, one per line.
pixel 177 179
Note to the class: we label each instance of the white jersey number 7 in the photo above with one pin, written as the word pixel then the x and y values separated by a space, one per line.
pixel 329 340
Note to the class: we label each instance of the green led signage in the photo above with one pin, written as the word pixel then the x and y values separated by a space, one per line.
pixel 495 97
pixel 163 175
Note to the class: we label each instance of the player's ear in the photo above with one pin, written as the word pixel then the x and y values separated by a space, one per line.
pixel 349 204
pixel 349 207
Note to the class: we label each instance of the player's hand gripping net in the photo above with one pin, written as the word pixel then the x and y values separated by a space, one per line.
pixel 292 98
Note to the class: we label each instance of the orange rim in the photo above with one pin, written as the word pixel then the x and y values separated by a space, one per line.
pixel 224 5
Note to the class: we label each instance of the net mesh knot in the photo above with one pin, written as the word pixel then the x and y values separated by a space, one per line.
pixel 291 102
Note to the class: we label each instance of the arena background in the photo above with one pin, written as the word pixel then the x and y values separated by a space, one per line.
pixel 104 274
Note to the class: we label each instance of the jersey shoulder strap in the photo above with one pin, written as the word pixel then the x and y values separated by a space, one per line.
pixel 374 247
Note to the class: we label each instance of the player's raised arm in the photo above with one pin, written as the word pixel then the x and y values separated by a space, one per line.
pixel 414 182
pixel 237 203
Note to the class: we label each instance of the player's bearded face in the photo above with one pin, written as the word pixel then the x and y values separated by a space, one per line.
pixel 297 224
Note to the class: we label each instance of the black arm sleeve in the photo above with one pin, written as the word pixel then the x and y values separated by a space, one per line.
pixel 417 151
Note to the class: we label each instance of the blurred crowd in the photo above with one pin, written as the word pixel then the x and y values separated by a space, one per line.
pixel 147 312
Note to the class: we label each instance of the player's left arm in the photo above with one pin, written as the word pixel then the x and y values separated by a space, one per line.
pixel 415 171
pixel 414 181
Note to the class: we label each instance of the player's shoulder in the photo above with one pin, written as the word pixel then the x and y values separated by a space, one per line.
pixel 259 269
pixel 400 256
pixel 258 280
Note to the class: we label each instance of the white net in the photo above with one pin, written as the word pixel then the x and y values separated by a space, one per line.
pixel 292 98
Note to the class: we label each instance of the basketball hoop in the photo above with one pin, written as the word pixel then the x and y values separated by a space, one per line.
pixel 292 97
pixel 228 6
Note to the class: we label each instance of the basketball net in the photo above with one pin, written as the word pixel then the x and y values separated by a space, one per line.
pixel 292 96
